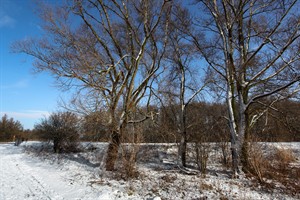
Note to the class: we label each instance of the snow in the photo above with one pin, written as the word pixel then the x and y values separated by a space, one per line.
pixel 25 177
pixel 30 171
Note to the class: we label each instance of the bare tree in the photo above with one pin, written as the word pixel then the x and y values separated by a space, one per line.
pixel 253 46
pixel 183 73
pixel 112 47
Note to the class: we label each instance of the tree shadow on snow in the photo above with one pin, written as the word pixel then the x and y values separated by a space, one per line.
pixel 44 150
pixel 81 160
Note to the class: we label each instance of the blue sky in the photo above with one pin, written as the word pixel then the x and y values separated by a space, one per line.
pixel 25 96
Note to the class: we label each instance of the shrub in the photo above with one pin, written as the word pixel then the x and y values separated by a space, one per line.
pixel 258 164
pixel 62 129
pixel 202 151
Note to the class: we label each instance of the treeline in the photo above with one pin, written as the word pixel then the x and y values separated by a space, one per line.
pixel 206 122
pixel 10 129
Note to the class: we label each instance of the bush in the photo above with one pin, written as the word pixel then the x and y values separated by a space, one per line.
pixel 61 128
pixel 201 151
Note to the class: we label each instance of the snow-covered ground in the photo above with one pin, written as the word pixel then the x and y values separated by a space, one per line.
pixel 25 176
pixel 28 172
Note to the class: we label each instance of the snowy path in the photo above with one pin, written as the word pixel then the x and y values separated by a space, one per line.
pixel 23 177
pixel 18 180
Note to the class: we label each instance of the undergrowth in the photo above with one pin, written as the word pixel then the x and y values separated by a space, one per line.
pixel 275 170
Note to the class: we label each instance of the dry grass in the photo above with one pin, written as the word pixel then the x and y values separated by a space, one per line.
pixel 282 171
pixel 283 157
pixel 274 169
pixel 258 163
pixel 206 186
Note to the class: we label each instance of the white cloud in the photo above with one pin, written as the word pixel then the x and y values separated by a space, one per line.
pixel 26 114
pixel 17 85
pixel 7 21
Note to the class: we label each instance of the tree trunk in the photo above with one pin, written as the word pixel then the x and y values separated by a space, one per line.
pixel 240 144
pixel 245 145
pixel 56 146
pixel 238 128
pixel 112 151
pixel 244 155
pixel 234 137
pixel 183 132
pixel 235 155
pixel 182 150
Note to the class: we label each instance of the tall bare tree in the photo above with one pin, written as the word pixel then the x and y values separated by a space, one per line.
pixel 253 46
pixel 111 47
pixel 185 78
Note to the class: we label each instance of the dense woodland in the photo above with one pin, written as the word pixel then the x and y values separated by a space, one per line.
pixel 171 71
